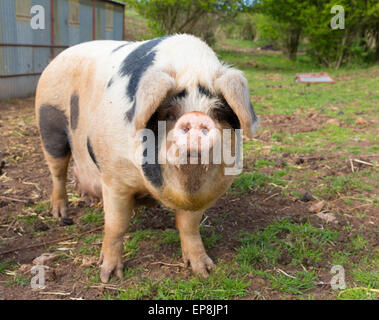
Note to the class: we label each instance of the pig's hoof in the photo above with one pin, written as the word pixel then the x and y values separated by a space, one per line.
pixel 59 208
pixel 200 265
pixel 108 267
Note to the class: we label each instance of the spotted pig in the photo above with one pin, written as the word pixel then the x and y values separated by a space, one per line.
pixel 99 102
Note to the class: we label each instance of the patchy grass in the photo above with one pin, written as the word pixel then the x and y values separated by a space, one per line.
pixel 297 241
pixel 220 285
pixel 93 215
pixel 299 283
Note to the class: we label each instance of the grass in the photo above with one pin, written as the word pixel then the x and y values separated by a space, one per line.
pixel 220 285
pixel 5 265
pixel 302 282
pixel 256 181
pixel 93 216
pixel 297 241
pixel 132 244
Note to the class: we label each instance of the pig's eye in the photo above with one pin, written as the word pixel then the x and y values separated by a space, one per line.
pixel 224 113
pixel 167 114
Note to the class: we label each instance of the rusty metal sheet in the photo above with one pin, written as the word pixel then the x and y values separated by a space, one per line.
pixel 315 77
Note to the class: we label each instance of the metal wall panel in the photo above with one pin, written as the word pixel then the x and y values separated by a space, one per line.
pixel 85 20
pixel 61 35
pixel 30 60
pixel 118 23
pixel 100 20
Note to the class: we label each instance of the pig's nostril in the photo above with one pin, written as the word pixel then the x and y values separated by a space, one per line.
pixel 185 127
pixel 204 131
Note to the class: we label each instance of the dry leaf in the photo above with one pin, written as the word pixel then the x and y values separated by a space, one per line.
pixel 44 259
pixel 361 121
pixel 328 217
pixel 317 207
pixel 333 121
pixel 88 261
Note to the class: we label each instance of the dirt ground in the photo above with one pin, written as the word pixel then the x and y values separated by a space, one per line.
pixel 25 183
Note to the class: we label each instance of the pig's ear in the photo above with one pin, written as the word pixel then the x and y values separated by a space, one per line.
pixel 153 88
pixel 233 87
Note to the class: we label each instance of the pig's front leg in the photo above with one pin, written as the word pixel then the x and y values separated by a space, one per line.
pixel 188 224
pixel 118 209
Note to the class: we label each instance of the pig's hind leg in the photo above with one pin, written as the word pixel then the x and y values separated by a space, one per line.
pixel 58 169
pixel 53 125
pixel 118 208
pixel 188 224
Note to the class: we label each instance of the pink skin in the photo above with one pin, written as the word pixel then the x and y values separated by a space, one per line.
pixel 195 131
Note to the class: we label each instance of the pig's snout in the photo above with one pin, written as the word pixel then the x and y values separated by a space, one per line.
pixel 195 131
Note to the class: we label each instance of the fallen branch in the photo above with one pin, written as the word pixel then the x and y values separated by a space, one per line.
pixel 56 293
pixel 352 166
pixel 169 264
pixel 364 162
pixel 51 242
pixel 14 199
pixel 285 273
pixel 275 194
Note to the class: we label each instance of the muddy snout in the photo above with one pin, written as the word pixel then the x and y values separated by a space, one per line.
pixel 195 134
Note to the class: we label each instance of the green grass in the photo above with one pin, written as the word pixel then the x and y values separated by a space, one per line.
pixel 40 207
pixel 143 288
pixel 132 244
pixel 367 278
pixel 298 241
pixel 220 285
pixel 357 294
pixel 256 180
pixel 5 265
pixel 302 282
pixel 93 215
pixel 210 241
pixel 170 236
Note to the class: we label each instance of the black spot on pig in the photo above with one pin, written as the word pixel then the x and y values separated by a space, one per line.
pixel 182 94
pixel 130 113
pixel 136 63
pixel 74 111
pixel 253 114
pixel 205 91
pixel 53 126
pixel 119 47
pixel 91 153
pixel 224 113
pixel 153 171
pixel 110 82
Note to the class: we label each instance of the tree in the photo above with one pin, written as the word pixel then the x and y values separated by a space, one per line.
pixel 290 14
pixel 359 40
pixel 183 16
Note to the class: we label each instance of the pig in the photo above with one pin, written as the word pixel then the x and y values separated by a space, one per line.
pixel 95 100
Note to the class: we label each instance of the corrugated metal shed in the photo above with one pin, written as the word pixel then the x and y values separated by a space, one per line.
pixel 25 52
